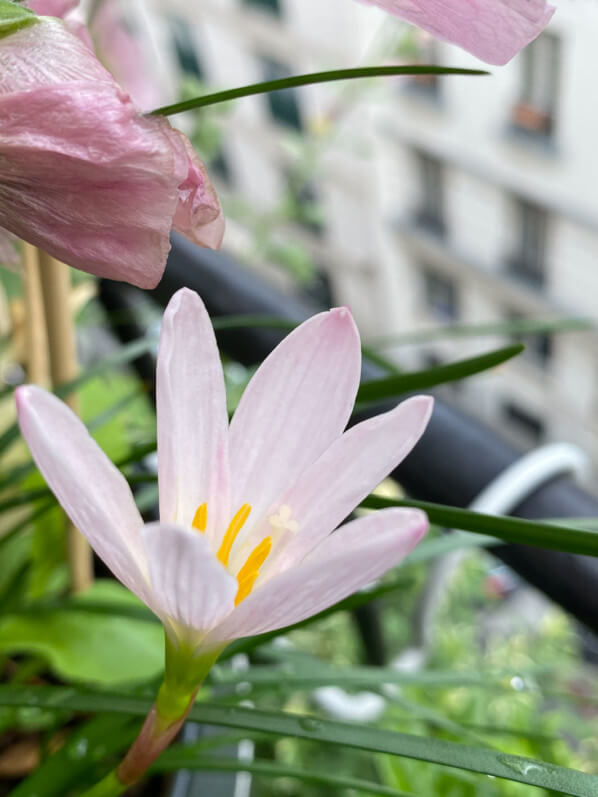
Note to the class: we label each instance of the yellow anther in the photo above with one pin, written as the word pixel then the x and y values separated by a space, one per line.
pixel 244 589
pixel 233 529
pixel 248 574
pixel 200 521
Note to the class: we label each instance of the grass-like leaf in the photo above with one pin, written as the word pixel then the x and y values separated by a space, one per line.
pixel 510 529
pixel 436 751
pixel 396 385
pixel 306 80
pixel 523 327
pixel 190 757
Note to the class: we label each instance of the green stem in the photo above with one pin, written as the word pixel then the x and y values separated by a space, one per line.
pixel 184 673
pixel 110 786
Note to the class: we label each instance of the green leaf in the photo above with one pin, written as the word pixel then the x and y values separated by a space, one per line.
pixel 13 17
pixel 123 356
pixel 307 80
pixel 76 760
pixel 89 647
pixel 315 674
pixel 509 529
pixel 392 386
pixel 437 751
pixel 520 327
pixel 190 757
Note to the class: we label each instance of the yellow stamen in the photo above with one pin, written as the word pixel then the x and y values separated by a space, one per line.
pixel 248 574
pixel 233 529
pixel 200 521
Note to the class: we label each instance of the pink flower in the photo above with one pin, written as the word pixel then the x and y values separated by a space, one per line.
pixel 83 175
pixel 493 30
pixel 52 8
pixel 244 543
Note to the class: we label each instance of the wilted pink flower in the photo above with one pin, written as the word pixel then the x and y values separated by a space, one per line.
pixel 52 8
pixel 494 30
pixel 244 543
pixel 83 175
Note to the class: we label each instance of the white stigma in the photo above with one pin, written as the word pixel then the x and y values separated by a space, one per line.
pixel 283 521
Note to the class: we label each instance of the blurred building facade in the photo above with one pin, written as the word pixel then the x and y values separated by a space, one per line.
pixel 458 200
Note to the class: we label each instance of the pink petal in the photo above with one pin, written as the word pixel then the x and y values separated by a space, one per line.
pixel 189 584
pixel 198 215
pixel 91 490
pixel 192 417
pixel 348 471
pixel 52 8
pixel 346 561
pixel 493 30
pixel 121 52
pixel 297 403
pixel 83 174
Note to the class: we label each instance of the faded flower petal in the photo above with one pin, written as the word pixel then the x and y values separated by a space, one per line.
pixel 493 30
pixel 83 175
pixel 52 8
pixel 198 215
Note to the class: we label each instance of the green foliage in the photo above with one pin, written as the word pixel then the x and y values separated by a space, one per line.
pixel 307 80
pixel 88 647
pixel 446 725
pixel 14 17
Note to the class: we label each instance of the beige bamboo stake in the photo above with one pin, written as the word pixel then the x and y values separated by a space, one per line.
pixel 55 282
pixel 35 331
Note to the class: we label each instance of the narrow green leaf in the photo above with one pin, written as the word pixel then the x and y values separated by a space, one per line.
pixel 190 757
pixel 93 741
pixel 509 529
pixel 392 386
pixel 123 356
pixel 520 327
pixel 437 751
pixel 303 672
pixel 307 80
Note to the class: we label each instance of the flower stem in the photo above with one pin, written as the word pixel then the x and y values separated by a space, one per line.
pixel 156 734
pixel 184 673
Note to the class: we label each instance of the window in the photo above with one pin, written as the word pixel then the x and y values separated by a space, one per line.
pixel 430 210
pixel 185 48
pixel 530 429
pixel 272 6
pixel 538 348
pixel 440 295
pixel 527 262
pixel 535 110
pixel 283 104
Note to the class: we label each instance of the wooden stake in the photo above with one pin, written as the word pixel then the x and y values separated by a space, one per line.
pixel 36 335
pixel 55 283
